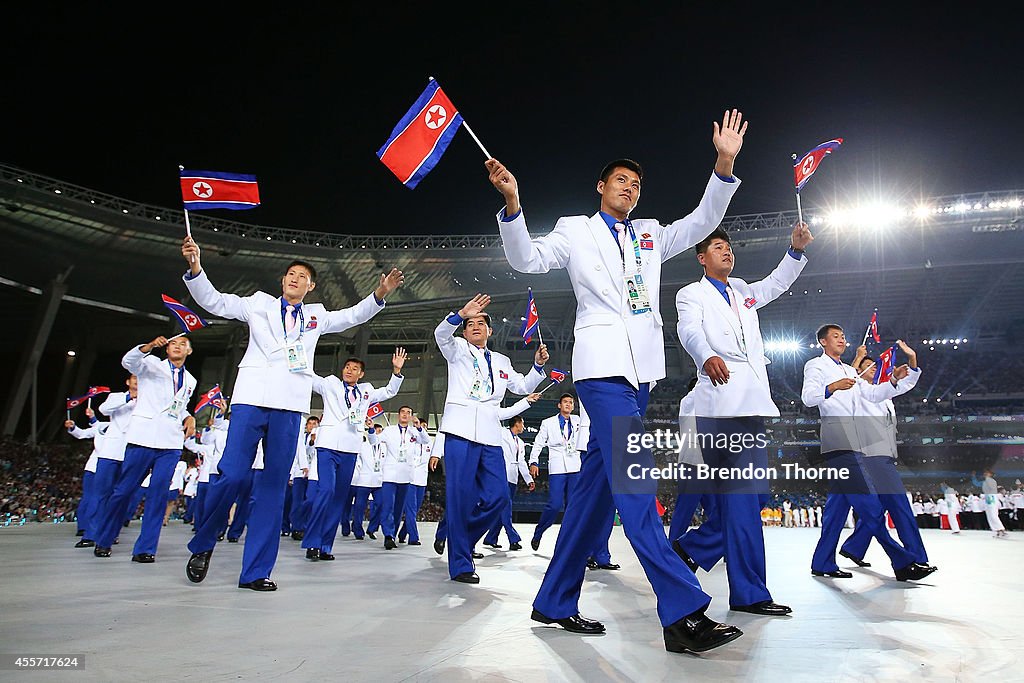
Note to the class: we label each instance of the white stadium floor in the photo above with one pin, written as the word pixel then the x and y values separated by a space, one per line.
pixel 374 615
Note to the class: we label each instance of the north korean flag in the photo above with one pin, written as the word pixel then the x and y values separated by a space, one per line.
pixel 96 391
pixel 532 319
pixel 208 398
pixel 558 376
pixel 189 321
pixel 375 410
pixel 806 165
pixel 75 402
pixel 421 137
pixel 886 364
pixel 873 326
pixel 216 190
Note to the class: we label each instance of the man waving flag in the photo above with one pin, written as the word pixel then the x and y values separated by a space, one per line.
pixel 531 323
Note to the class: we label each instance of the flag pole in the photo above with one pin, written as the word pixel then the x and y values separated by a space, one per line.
pixel 180 334
pixel 799 209
pixel 540 336
pixel 88 403
pixel 465 124
pixel 68 409
pixel 867 332
pixel 188 226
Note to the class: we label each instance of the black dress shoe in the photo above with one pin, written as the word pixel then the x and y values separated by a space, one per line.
pixel 127 523
pixel 914 572
pixel 856 560
pixel 591 563
pixel 360 538
pixel 766 608
pixel 313 554
pixel 197 566
pixel 493 546
pixel 259 585
pixel 467 577
pixel 85 543
pixel 610 566
pixel 685 557
pixel 346 533
pixel 220 537
pixel 837 574
pixel 573 624
pixel 285 534
pixel 401 540
pixel 476 556
pixel 101 552
pixel 415 543
pixel 297 535
pixel 515 546
pixel 144 558
pixel 232 540
pixel 535 544
pixel 371 535
pixel 389 543
pixel 697 633
pixel 439 546
pixel 326 557
pixel 81 532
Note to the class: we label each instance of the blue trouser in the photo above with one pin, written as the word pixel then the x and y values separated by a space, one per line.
pixel 286 518
pixel 376 511
pixel 279 430
pixel 306 511
pixel 138 460
pixel 413 501
pixel 346 512
pixel 891 494
pixel 705 544
pixel 561 487
pixel 335 469
pixel 136 499
pixel 107 473
pixel 392 502
pixel 362 495
pixel 476 489
pixel 243 505
pixel 189 509
pixel 859 493
pixel 504 521
pixel 297 519
pixel 591 512
pixel 86 502
pixel 601 553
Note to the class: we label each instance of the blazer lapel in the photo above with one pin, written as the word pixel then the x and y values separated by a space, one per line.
pixel 607 248
pixel 724 309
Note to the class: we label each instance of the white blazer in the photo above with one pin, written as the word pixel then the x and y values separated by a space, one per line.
pixel 844 416
pixel 96 432
pixel 420 470
pixel 151 425
pixel 563 457
pixel 301 460
pixel 583 438
pixel 473 420
pixel 119 408
pixel 401 452
pixel 336 432
pixel 368 472
pixel 880 420
pixel 178 477
pixel 263 377
pixel 515 457
pixel 610 341
pixel 708 327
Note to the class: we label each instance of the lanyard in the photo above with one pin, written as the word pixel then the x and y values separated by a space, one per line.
pixel 401 435
pixel 562 428
pixel 177 386
pixel 636 247
pixel 348 389
pixel 476 366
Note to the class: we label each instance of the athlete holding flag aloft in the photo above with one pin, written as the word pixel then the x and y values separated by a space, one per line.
pixel 614 265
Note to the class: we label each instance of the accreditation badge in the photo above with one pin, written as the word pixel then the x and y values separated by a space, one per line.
pixel 402 454
pixel 176 408
pixel 295 354
pixel 354 418
pixel 636 293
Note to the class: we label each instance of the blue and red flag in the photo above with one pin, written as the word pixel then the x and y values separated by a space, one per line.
pixel 215 190
pixel 558 376
pixel 532 321
pixel 806 165
pixel 886 364
pixel 208 398
pixel 96 391
pixel 374 410
pixel 873 327
pixel 421 137
pixel 75 402
pixel 188 320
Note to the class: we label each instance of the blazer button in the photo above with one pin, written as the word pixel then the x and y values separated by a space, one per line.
pixel 597 267
pixel 604 291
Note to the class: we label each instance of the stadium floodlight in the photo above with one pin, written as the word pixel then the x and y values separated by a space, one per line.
pixel 872 215
pixel 959 394
pixel 72 354
pixel 923 211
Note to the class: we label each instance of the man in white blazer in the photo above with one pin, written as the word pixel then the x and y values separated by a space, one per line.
pixel 346 400
pixel 156 433
pixel 515 466
pixel 880 457
pixel 367 480
pixel 302 465
pixel 417 489
pixel 272 392
pixel 614 266
pixel 87 503
pixel 403 443
pixel 841 396
pixel 475 482
pixel 559 434
pixel 719 328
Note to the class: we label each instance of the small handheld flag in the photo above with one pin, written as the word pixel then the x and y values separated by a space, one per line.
pixel 374 410
pixel 874 327
pixel 531 323
pixel 189 321
pixel 421 136
pixel 806 165
pixel 201 190
pixel 96 391
pixel 208 398
pixel 886 365
pixel 558 376
pixel 75 402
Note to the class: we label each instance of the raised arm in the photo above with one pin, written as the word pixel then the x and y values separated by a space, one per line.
pixel 395 383
pixel 115 403
pixel 525 384
pixel 205 294
pixel 779 280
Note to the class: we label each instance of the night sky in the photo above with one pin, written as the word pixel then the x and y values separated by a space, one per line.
pixel 927 100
